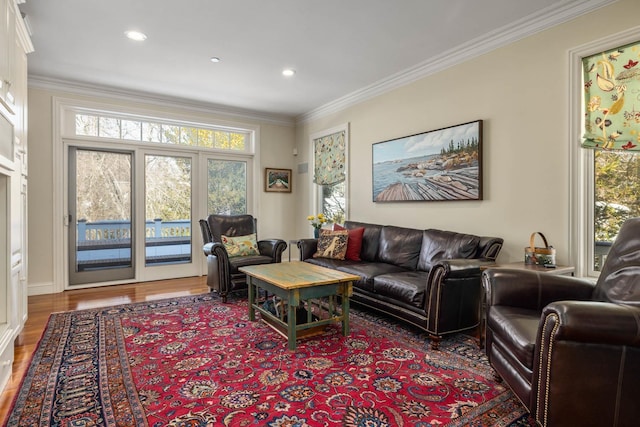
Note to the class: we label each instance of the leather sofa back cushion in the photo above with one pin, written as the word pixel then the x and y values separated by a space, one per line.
pixel 400 246
pixel 370 239
pixel 439 244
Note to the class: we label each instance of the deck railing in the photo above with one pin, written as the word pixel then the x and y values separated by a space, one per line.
pixel 104 244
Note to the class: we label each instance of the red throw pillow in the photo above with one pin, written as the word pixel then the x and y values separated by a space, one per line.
pixel 354 244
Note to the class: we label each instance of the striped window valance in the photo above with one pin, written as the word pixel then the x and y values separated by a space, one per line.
pixel 612 94
pixel 330 159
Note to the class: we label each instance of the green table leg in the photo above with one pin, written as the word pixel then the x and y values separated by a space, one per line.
pixel 345 310
pixel 252 299
pixel 291 327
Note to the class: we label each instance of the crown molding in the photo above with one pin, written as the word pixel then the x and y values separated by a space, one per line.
pixel 91 89
pixel 534 23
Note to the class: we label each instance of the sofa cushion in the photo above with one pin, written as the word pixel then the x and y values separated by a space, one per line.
pixel 400 246
pixel 354 243
pixel 370 238
pixel 408 287
pixel 332 244
pixel 368 271
pixel 334 264
pixel 438 245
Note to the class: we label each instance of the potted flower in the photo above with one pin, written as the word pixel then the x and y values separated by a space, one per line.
pixel 316 222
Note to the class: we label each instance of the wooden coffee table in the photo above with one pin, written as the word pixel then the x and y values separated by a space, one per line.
pixel 296 282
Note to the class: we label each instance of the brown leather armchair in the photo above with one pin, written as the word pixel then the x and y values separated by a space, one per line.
pixel 569 348
pixel 222 270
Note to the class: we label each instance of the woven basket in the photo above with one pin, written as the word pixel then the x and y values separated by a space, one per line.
pixel 539 255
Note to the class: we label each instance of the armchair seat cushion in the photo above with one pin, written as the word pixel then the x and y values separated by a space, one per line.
pixel 236 262
pixel 515 329
pixel 408 286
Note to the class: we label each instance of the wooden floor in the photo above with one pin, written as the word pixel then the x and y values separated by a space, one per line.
pixel 41 306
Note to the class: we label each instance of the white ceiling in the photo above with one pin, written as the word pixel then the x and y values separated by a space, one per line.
pixel 339 48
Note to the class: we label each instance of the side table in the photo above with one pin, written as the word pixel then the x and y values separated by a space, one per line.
pixel 292 242
pixel 558 269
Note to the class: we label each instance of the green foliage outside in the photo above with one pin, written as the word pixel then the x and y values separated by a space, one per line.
pixel 334 202
pixel 227 187
pixel 617 190
pixel 168 188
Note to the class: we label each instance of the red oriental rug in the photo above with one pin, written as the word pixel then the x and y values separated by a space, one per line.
pixel 193 361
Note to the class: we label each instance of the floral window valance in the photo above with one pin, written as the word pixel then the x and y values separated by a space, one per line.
pixel 612 94
pixel 330 159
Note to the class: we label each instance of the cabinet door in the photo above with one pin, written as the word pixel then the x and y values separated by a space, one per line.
pixel 19 91
pixel 7 52
pixel 4 43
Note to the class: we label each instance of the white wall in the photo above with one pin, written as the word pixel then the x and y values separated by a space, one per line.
pixel 275 211
pixel 521 92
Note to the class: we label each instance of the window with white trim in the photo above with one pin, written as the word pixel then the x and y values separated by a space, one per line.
pixel 604 184
pixel 105 126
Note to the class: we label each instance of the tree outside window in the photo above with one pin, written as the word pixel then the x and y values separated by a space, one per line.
pixel 617 186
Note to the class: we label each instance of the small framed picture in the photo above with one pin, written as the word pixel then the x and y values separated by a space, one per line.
pixel 277 180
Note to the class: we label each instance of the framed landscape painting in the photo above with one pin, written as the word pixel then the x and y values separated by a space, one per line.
pixel 277 180
pixel 438 165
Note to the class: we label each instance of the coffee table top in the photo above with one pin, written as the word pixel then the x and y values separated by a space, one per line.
pixel 297 274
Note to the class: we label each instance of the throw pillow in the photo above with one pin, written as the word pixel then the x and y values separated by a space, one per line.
pixel 241 245
pixel 354 244
pixel 332 244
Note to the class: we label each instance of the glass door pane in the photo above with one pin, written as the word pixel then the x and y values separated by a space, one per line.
pixel 101 237
pixel 167 210
pixel 226 187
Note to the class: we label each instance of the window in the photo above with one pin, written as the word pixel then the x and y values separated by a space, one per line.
pixel 333 202
pixel 226 187
pixel 616 183
pixel 604 184
pixel 330 174
pixel 159 132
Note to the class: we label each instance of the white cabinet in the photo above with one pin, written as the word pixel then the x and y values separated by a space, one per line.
pixel 7 55
pixel 15 44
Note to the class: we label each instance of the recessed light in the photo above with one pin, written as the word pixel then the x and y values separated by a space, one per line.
pixel 136 35
pixel 215 59
pixel 288 72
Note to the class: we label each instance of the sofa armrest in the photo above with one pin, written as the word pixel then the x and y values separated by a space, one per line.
pixel 453 294
pixel 216 249
pixel 587 349
pixel 272 248
pixel 531 289
pixel 591 322
pixel 307 247
pixel 463 267
pixel 218 276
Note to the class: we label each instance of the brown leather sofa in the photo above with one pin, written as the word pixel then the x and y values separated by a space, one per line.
pixel 222 270
pixel 569 348
pixel 429 278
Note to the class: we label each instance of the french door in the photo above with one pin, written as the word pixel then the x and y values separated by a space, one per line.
pixel 101 216
pixel 130 215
